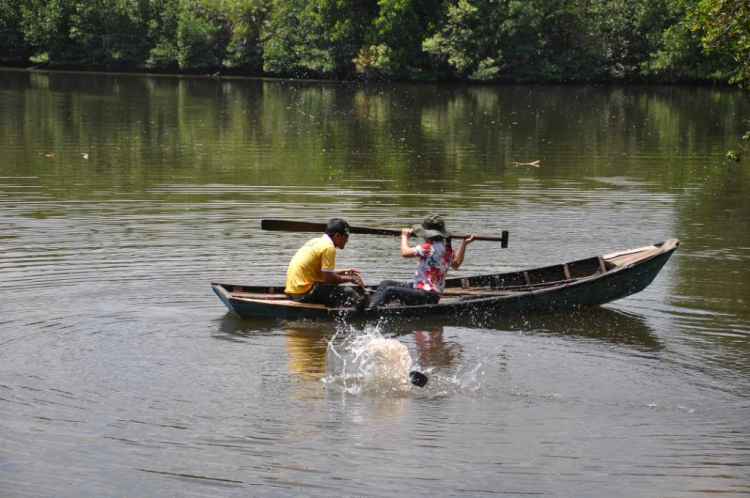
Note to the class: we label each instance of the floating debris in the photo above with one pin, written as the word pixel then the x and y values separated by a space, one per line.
pixel 532 163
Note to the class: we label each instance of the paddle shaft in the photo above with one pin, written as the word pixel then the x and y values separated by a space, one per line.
pixel 305 226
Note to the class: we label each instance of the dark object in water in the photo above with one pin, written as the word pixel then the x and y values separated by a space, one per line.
pixel 563 287
pixel 418 378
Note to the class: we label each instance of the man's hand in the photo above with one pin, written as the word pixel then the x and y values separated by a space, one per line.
pixel 348 271
pixel 350 275
pixel 357 280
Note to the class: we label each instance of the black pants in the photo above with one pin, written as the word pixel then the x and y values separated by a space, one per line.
pixel 401 292
pixel 332 296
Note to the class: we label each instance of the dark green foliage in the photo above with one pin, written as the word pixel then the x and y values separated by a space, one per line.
pixel 477 40
pixel 110 34
pixel 246 19
pixel 46 27
pixel 296 41
pixel 563 40
pixel 724 26
pixel 13 45
pixel 163 35
pixel 393 43
pixel 734 155
pixel 316 37
pixel 535 40
pixel 203 34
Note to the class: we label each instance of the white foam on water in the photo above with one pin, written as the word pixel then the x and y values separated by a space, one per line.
pixel 368 363
pixel 471 380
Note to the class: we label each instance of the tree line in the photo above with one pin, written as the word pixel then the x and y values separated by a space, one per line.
pixel 423 40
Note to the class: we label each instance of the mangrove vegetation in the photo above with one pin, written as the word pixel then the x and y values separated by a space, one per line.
pixel 418 40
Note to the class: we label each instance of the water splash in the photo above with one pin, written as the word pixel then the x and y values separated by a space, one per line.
pixel 470 381
pixel 368 363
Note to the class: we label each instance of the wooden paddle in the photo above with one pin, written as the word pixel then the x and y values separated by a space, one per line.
pixel 305 226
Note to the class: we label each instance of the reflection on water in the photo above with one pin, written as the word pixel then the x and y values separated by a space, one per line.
pixel 432 349
pixel 232 327
pixel 306 346
pixel 600 324
pixel 121 369
pixel 309 344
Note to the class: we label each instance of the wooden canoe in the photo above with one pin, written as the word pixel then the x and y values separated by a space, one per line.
pixel 568 286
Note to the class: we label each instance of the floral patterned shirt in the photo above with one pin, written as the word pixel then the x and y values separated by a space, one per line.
pixel 434 260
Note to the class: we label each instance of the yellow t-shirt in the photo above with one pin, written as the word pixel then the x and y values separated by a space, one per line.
pixel 308 265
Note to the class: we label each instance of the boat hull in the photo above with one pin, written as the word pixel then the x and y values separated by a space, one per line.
pixel 571 296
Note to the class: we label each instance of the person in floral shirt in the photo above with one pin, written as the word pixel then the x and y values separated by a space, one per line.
pixel 436 256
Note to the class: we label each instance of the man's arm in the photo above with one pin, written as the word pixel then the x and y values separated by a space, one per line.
pixel 337 277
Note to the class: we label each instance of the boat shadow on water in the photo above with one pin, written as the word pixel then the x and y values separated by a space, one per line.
pixel 602 324
pixel 435 344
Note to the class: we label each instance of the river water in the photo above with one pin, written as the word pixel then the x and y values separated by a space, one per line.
pixel 121 374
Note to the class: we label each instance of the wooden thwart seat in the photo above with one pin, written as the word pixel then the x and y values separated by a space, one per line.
pixel 258 295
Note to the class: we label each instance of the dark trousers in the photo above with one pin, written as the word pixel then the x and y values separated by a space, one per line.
pixel 401 292
pixel 332 296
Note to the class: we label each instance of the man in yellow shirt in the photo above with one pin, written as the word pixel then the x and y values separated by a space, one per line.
pixel 312 277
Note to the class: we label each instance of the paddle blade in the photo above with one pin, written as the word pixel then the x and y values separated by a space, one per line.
pixel 418 378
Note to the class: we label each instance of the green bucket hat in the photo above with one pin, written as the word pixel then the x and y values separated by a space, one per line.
pixel 432 226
